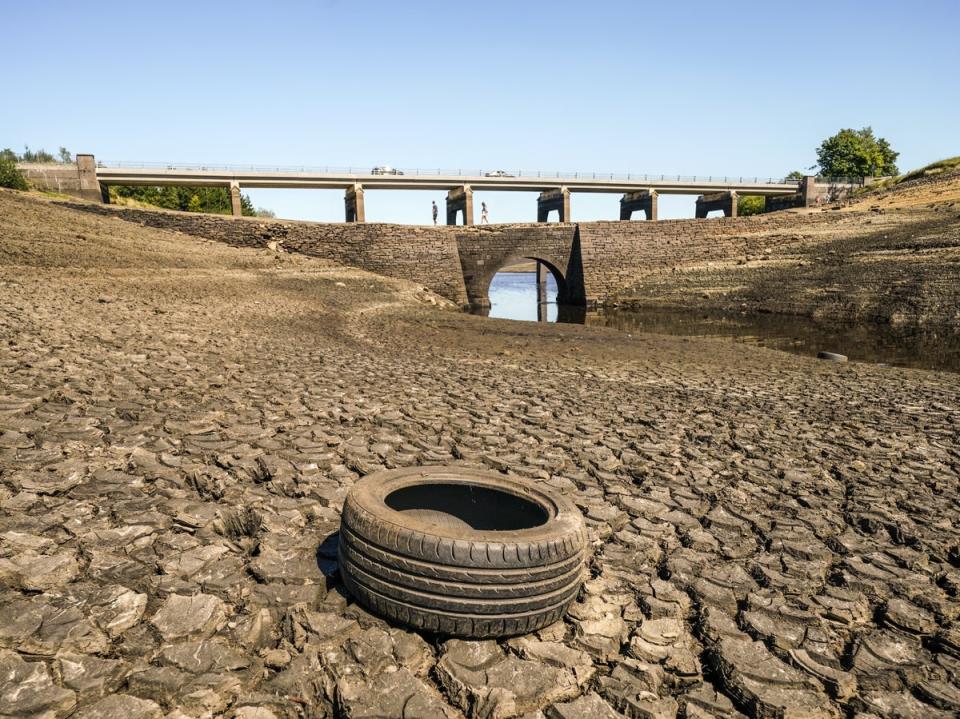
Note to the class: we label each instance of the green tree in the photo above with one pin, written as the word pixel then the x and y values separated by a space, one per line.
pixel 856 153
pixel 65 155
pixel 214 200
pixel 8 154
pixel 795 175
pixel 36 156
pixel 750 205
pixel 10 174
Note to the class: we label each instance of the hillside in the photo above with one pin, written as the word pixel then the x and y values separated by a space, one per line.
pixel 935 186
pixel 893 257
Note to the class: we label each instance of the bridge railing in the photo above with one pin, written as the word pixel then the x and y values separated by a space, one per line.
pixel 839 180
pixel 447 172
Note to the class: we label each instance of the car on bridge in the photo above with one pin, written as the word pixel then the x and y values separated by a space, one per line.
pixel 385 170
pixel 498 173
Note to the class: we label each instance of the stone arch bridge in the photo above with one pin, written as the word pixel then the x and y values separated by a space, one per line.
pixel 591 261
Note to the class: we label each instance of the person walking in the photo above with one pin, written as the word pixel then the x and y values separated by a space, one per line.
pixel 484 219
pixel 435 212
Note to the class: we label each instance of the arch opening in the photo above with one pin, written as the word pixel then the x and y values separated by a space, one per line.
pixel 515 290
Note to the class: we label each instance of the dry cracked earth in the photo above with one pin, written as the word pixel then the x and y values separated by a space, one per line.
pixel 180 421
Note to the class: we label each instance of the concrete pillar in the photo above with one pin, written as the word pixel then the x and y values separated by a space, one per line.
pixel 726 201
pixel 89 186
pixel 551 200
pixel 235 204
pixel 642 200
pixel 808 190
pixel 541 283
pixel 460 199
pixel 353 204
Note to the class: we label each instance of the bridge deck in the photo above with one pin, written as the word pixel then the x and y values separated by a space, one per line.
pixel 526 183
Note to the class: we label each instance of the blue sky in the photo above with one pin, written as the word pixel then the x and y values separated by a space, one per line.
pixel 681 88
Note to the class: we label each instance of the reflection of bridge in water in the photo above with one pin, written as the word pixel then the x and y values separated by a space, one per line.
pixel 639 191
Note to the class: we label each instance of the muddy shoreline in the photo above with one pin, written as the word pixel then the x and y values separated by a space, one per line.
pixel 180 421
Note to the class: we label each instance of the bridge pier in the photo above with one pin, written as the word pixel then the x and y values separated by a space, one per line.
pixel 726 201
pixel 460 199
pixel 551 200
pixel 235 205
pixel 90 187
pixel 541 292
pixel 353 204
pixel 641 201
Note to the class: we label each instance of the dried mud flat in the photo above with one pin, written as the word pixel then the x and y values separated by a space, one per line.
pixel 180 421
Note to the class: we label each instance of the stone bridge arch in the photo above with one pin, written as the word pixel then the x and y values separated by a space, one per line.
pixel 485 251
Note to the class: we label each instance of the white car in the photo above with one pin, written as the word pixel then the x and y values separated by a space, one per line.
pixel 497 173
pixel 385 170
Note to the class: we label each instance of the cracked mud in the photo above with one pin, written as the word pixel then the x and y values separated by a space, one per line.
pixel 180 421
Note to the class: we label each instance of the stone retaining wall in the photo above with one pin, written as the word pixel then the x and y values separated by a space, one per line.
pixel 617 254
pixel 596 259
pixel 425 255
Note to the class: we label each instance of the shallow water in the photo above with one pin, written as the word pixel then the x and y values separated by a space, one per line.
pixel 513 296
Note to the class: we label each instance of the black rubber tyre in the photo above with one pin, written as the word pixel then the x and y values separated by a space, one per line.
pixel 460 551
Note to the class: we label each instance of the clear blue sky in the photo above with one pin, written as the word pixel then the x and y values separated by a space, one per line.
pixel 682 88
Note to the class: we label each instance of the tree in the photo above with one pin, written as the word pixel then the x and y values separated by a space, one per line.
pixel 750 205
pixel 856 153
pixel 36 156
pixel 194 205
pixel 65 155
pixel 10 175
pixel 795 175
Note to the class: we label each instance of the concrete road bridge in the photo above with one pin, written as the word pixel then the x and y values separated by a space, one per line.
pixel 639 191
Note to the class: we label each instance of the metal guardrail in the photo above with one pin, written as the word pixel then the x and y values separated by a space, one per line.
pixel 839 180
pixel 441 172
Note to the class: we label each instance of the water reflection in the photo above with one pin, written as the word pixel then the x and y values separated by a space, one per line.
pixel 513 295
pixel 866 342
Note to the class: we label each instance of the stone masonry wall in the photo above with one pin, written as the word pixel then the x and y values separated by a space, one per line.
pixel 617 254
pixel 597 259
pixel 425 255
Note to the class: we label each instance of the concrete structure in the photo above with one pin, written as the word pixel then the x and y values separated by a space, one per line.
pixel 640 191
pixel 236 205
pixel 92 180
pixel 591 261
pixel 641 201
pixel 460 199
pixel 551 200
pixel 725 201
pixel 541 292
pixel 78 179
pixel 353 204
pixel 87 172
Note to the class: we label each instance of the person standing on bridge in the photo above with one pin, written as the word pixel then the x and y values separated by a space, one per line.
pixel 484 219
pixel 435 212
